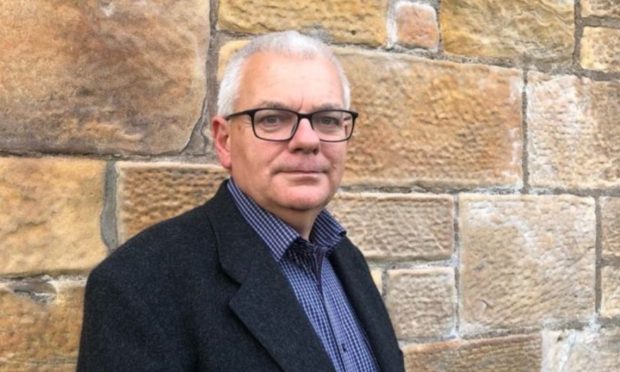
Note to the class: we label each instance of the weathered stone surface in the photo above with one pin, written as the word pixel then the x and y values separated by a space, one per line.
pixel 49 214
pixel 574 136
pixel 350 21
pixel 151 192
pixel 102 77
pixel 610 288
pixel 40 325
pixel 421 302
pixel 600 49
pixel 432 122
pixel 525 261
pixel 578 351
pixel 417 25
pixel 504 354
pixel 610 221
pixel 601 8
pixel 518 29
pixel 377 277
pixel 401 226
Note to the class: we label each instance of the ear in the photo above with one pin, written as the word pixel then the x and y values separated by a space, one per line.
pixel 220 131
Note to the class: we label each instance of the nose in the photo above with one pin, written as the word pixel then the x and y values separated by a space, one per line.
pixel 305 138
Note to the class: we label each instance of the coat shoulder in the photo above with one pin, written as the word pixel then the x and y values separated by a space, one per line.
pixel 165 249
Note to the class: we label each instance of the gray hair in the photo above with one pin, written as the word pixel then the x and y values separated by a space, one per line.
pixel 288 43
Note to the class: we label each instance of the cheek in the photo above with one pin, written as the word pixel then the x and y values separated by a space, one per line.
pixel 256 161
pixel 242 148
pixel 337 158
pixel 336 154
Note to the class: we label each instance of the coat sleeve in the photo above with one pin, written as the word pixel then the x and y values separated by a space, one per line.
pixel 119 331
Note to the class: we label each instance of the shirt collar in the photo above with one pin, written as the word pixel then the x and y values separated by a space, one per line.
pixel 278 235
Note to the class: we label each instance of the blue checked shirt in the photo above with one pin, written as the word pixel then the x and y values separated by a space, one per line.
pixel 306 266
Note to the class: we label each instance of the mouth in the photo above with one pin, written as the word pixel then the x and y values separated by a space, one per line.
pixel 302 171
pixel 303 167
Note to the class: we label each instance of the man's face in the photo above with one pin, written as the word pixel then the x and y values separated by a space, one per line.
pixel 300 175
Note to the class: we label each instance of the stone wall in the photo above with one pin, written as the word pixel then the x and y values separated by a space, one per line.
pixel 483 181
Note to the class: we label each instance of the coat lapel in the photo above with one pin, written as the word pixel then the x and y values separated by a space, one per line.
pixel 265 302
pixel 353 273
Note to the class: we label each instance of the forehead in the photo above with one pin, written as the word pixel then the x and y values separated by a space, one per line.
pixel 291 80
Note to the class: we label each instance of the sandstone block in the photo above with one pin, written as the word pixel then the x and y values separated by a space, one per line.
pixel 433 122
pixel 417 25
pixel 574 139
pixel 49 219
pixel 514 353
pixel 151 192
pixel 578 351
pixel 600 8
pixel 421 302
pixel 345 21
pixel 102 77
pixel 520 29
pixel 610 221
pixel 526 261
pixel 610 297
pixel 600 49
pixel 397 226
pixel 40 325
pixel 377 277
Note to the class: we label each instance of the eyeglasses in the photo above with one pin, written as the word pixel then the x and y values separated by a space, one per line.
pixel 271 124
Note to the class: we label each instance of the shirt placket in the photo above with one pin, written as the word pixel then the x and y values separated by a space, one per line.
pixel 344 347
pixel 333 316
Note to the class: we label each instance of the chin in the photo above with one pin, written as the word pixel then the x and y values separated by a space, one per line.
pixel 307 201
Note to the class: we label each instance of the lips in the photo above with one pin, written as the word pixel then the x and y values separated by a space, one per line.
pixel 302 171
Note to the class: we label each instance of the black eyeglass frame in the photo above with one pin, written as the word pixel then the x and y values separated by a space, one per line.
pixel 300 116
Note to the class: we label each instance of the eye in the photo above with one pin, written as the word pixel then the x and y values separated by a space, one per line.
pixel 273 119
pixel 328 120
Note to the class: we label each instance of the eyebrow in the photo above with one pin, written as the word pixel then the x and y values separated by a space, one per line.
pixel 280 105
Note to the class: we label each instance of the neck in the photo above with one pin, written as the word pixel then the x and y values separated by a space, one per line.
pixel 300 221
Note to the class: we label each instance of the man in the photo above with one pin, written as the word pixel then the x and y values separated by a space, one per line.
pixel 260 278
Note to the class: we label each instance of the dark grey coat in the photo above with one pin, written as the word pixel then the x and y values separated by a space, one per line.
pixel 201 292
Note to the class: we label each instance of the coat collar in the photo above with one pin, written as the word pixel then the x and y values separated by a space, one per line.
pixel 264 302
